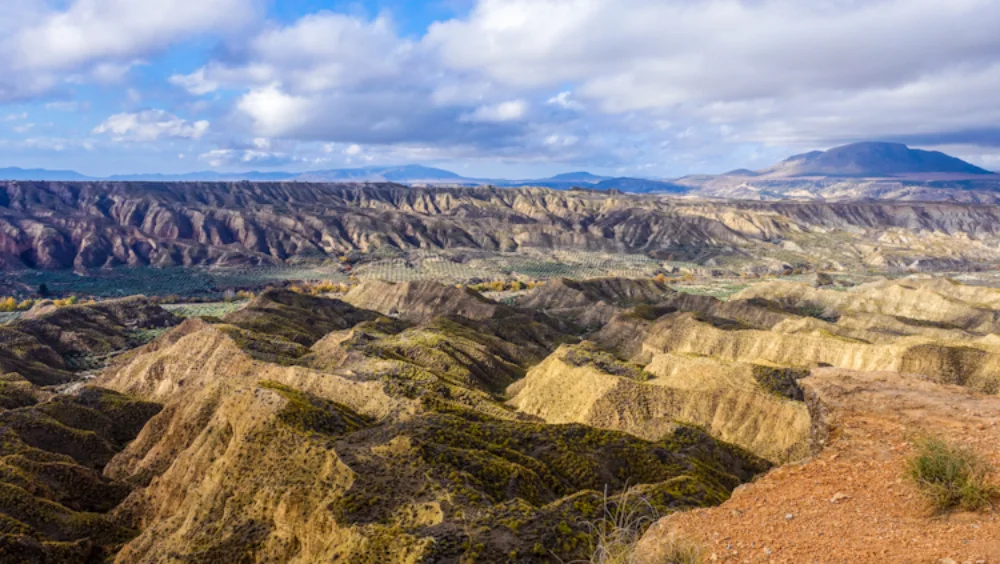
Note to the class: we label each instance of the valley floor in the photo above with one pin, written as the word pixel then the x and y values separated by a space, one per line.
pixel 851 502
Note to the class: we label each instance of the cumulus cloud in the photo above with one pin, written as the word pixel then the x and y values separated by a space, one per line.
pixel 336 78
pixel 564 100
pixel 258 153
pixel 196 83
pixel 664 87
pixel 151 125
pixel 511 110
pixel 275 112
pixel 318 53
pixel 782 71
pixel 90 30
pixel 44 45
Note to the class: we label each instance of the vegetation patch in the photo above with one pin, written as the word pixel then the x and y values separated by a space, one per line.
pixel 780 381
pixel 589 354
pixel 721 322
pixel 624 520
pixel 310 414
pixel 651 312
pixel 951 476
pixel 298 318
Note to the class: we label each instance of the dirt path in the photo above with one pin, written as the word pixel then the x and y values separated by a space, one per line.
pixel 851 502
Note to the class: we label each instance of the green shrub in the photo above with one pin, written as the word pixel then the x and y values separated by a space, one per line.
pixel 951 476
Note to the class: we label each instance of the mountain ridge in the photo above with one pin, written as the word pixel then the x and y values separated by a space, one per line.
pixel 872 159
pixel 878 170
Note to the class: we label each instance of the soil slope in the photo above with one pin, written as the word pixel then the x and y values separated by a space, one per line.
pixel 851 503
pixel 84 225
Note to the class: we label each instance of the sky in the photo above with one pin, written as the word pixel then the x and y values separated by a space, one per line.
pixel 490 88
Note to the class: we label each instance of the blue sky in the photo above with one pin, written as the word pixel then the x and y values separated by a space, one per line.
pixel 515 88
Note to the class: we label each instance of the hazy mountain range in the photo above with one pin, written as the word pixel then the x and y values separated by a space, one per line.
pixel 855 161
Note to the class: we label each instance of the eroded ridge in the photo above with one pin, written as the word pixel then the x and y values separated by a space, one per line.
pixel 423 422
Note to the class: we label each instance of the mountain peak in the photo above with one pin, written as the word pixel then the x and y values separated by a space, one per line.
pixel 579 176
pixel 872 159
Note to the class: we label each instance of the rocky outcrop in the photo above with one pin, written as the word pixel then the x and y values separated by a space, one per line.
pixel 592 303
pixel 298 318
pixel 810 512
pixel 424 422
pixel 48 348
pixel 733 402
pixel 385 441
pixel 940 302
pixel 83 225
pixel 420 302
pixel 54 501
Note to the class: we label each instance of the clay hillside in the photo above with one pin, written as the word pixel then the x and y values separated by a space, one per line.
pixel 93 225
pixel 419 422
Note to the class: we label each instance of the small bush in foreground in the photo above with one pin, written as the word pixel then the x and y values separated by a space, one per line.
pixel 626 518
pixel 951 476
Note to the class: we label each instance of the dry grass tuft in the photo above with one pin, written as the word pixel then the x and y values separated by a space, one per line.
pixel 951 476
pixel 618 532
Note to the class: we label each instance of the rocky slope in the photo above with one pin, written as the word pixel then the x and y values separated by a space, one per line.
pixel 592 303
pixel 421 422
pixel 54 501
pixel 54 225
pixel 811 511
pixel 384 441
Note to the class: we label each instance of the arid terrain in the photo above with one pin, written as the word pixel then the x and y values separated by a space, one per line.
pixel 402 374
pixel 422 422
pixel 91 225
pixel 499 282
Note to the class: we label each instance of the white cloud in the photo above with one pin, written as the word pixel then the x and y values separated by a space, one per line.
pixel 776 70
pixel 56 144
pixel 564 100
pixel 218 157
pixel 91 30
pixel 16 117
pixel 23 128
pixel 275 113
pixel 195 83
pixel 243 157
pixel 556 140
pixel 108 72
pixel 511 110
pixel 46 44
pixel 340 79
pixel 318 53
pixel 151 125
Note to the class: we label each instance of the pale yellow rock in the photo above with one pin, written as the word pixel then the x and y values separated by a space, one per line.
pixel 727 406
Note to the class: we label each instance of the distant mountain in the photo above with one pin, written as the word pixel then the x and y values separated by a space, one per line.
pixel 870 160
pixel 205 176
pixel 642 186
pixel 405 173
pixel 741 172
pixel 14 173
pixel 402 174
pixel 576 177
pixel 889 170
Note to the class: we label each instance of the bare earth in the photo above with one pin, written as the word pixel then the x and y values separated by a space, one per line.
pixel 851 502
